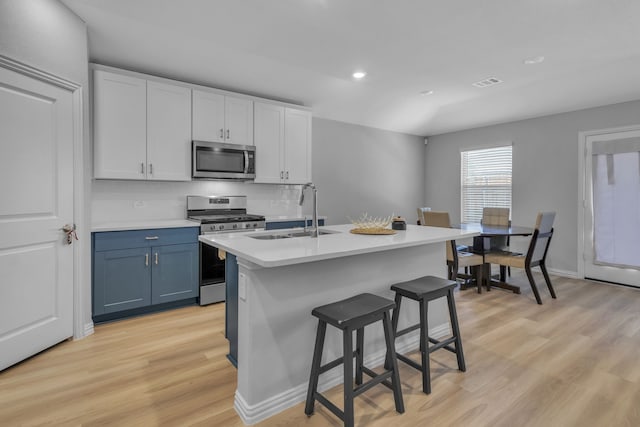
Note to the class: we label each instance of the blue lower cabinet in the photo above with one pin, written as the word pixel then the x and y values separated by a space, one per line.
pixel 174 275
pixel 141 271
pixel 122 280
pixel 231 307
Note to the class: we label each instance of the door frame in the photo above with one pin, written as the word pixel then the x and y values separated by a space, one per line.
pixel 81 309
pixel 583 187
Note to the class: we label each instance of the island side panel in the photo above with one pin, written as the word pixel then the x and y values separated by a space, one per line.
pixel 277 331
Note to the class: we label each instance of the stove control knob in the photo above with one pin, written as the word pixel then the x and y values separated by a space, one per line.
pixel 235 225
pixel 221 227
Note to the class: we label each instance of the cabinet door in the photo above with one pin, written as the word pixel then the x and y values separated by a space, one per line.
pixel 119 126
pixel 297 146
pixel 175 272
pixel 238 121
pixel 168 132
pixel 208 116
pixel 121 280
pixel 269 140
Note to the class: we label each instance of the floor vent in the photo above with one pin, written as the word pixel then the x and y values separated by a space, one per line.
pixel 487 82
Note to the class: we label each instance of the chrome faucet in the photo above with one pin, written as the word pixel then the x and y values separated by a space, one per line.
pixel 314 224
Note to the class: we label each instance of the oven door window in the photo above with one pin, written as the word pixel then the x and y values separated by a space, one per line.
pixel 219 160
pixel 211 266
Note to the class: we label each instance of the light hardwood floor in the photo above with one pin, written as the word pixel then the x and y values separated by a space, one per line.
pixel 574 361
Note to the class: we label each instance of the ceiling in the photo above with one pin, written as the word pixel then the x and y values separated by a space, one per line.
pixel 305 51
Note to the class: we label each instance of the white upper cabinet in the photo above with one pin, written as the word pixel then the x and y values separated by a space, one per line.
pixel 142 129
pixel 297 145
pixel 119 125
pixel 283 144
pixel 168 132
pixel 221 118
pixel 269 141
pixel 208 116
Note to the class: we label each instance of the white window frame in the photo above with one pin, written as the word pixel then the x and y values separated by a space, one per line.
pixel 464 216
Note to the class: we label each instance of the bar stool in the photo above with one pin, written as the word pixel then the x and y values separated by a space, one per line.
pixel 423 290
pixel 348 315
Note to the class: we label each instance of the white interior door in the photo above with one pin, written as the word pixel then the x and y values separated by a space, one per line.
pixel 612 207
pixel 36 201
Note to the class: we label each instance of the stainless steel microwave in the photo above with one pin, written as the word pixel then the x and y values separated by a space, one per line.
pixel 216 160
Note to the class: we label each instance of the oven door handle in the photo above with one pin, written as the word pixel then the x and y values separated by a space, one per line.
pixel 232 231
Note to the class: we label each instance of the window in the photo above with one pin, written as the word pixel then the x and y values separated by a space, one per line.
pixel 485 180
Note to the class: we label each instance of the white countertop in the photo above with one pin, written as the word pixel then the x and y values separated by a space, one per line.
pixel 297 250
pixel 143 224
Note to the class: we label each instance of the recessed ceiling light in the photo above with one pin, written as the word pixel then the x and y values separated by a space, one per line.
pixel 359 74
pixel 426 92
pixel 536 60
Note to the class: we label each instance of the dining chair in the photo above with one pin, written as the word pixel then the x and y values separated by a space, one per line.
pixel 456 259
pixel 535 256
pixel 421 214
pixel 500 218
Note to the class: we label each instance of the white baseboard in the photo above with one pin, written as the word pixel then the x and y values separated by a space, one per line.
pixel 88 329
pixel 564 273
pixel 252 414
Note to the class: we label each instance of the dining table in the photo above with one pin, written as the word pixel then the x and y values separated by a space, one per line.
pixel 484 243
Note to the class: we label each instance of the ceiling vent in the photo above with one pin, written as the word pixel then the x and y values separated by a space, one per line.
pixel 487 82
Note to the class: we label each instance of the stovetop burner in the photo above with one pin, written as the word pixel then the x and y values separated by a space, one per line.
pixel 218 214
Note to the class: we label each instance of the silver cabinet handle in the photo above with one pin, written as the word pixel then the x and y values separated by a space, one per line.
pixel 156 258
pixel 146 260
pixel 221 133
pixel 151 168
pixel 281 175
pixel 142 168
pixel 227 133
pixel 151 238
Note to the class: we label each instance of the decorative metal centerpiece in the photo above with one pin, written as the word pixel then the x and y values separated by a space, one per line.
pixel 372 225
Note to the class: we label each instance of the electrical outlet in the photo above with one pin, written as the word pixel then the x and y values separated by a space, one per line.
pixel 139 204
pixel 242 287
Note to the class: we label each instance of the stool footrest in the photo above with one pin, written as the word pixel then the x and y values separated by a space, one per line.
pixel 408 361
pixel 334 363
pixel 407 330
pixel 375 380
pixel 329 405
pixel 442 344
pixel 373 374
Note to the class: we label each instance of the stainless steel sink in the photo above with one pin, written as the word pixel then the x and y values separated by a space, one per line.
pixel 289 234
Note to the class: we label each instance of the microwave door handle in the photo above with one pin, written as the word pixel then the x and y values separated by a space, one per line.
pixel 246 161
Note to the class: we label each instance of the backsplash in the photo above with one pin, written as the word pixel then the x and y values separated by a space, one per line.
pixel 115 201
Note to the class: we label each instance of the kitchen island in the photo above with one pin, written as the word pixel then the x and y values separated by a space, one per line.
pixel 281 280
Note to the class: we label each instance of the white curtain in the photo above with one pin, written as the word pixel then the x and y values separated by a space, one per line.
pixel 616 202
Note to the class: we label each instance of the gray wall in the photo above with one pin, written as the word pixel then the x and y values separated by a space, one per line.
pixel 46 35
pixel 359 169
pixel 545 169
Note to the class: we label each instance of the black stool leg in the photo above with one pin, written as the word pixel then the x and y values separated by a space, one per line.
pixel 359 354
pixel 424 347
pixel 394 329
pixel 453 315
pixel 315 368
pixel 348 377
pixel 391 356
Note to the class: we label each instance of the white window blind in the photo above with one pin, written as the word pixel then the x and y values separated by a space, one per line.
pixel 485 181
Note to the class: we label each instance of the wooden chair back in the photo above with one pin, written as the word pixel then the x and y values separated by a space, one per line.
pixel 440 219
pixel 541 238
pixel 495 216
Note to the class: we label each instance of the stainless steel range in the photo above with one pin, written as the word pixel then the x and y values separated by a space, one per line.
pixel 218 214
